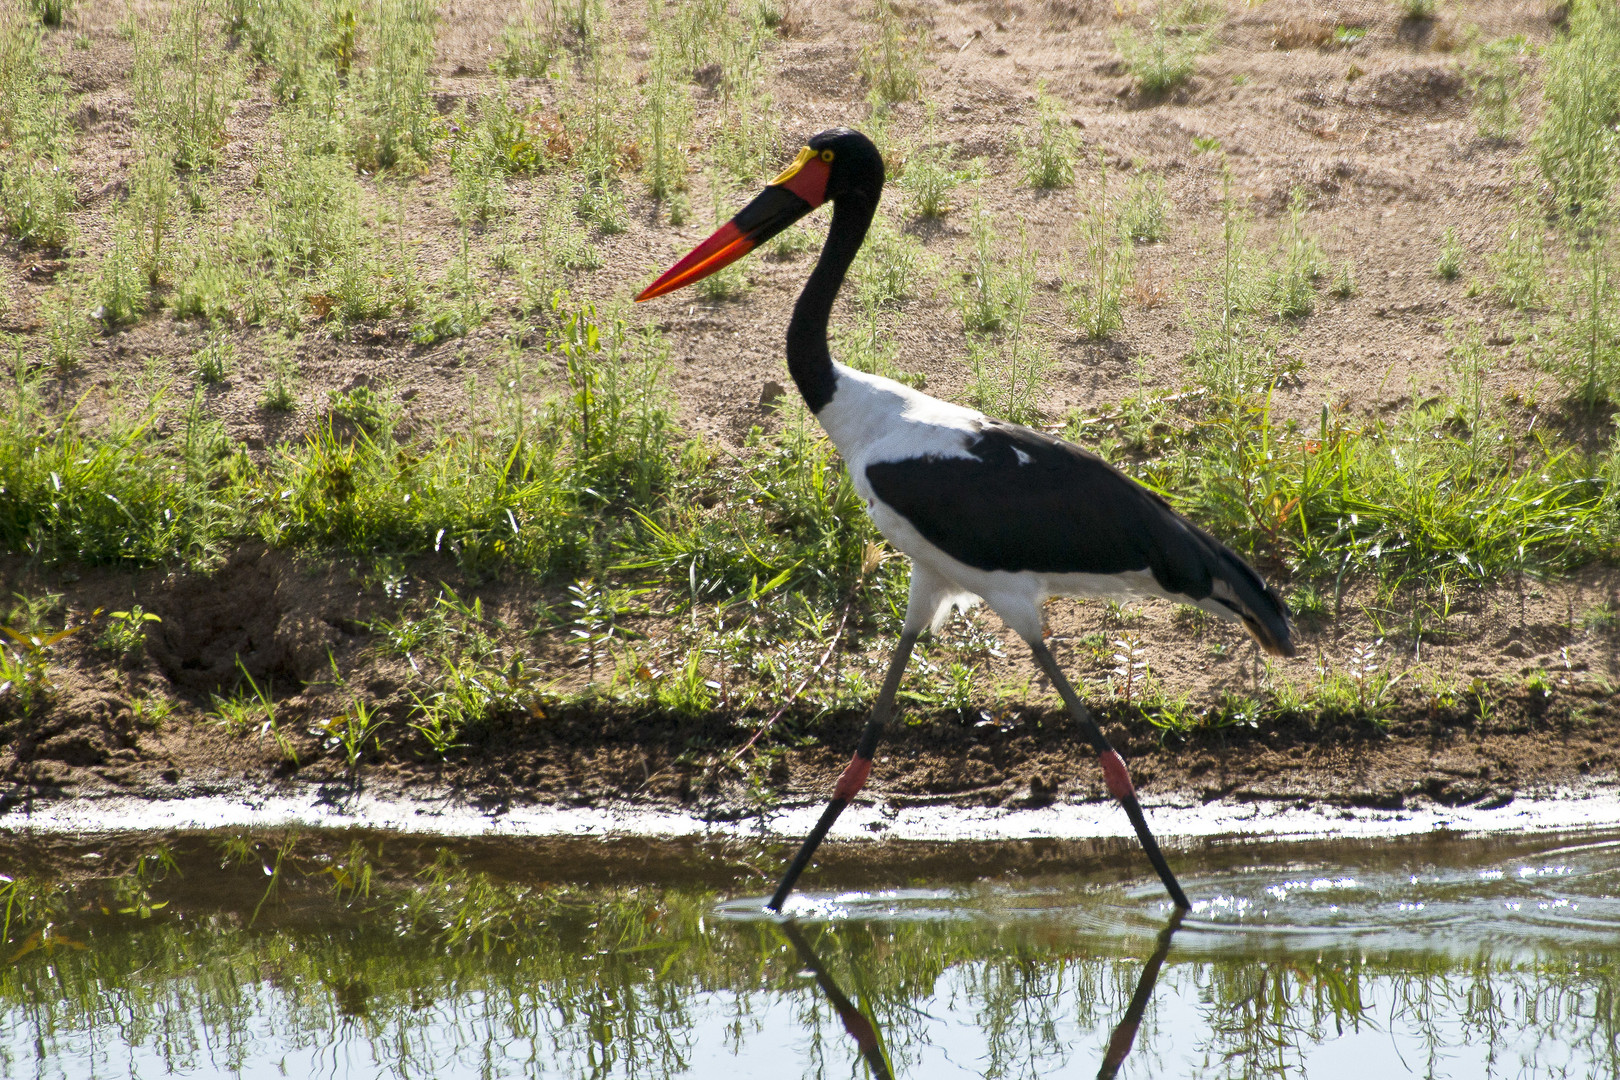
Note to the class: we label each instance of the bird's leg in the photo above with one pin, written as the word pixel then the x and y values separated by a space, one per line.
pixel 1113 767
pixel 858 1024
pixel 855 772
pixel 1119 1044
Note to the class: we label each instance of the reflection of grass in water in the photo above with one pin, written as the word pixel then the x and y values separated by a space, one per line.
pixel 300 927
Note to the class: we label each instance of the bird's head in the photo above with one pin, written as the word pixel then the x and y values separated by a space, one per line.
pixel 836 164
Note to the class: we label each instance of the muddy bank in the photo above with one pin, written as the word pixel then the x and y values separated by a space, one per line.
pixel 1515 702
pixel 617 762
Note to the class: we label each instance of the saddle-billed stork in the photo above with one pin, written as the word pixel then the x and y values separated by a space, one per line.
pixel 985 509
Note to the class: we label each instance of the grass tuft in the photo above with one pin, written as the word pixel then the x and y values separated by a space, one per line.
pixel 891 63
pixel 1047 157
pixel 1095 295
pixel 1164 59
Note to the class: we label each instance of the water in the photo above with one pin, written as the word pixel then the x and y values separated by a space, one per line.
pixel 347 953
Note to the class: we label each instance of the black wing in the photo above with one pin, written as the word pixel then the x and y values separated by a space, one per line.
pixel 1026 501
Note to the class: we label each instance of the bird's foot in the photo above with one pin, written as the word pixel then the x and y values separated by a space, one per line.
pixel 856 772
pixel 1117 776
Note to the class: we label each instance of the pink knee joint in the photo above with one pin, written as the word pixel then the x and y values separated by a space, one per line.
pixel 1117 776
pixel 855 774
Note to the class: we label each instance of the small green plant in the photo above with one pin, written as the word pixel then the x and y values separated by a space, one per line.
pixel 1417 10
pixel 599 201
pixel 1130 677
pixel 888 267
pixel 1583 346
pixel 668 117
pixel 868 344
pixel 214 360
pixel 150 712
pixel 687 691
pixel 67 329
pixel 1493 75
pixel 1345 36
pixel 459 304
pixel 1344 281
pixel 1362 688
pixel 1452 256
pixel 1095 296
pixel 121 286
pixel 531 42
pixel 1144 217
pixel 793 241
pixel 890 64
pixel 37 196
pixel 991 295
pixel 1468 366
pixel 1601 619
pixel 1047 157
pixel 1519 265
pixel 125 632
pixel 932 177
pixel 1205 144
pixel 1164 59
pixel 1008 374
pixel 278 395
pixel 479 195
pixel 390 117
pixel 185 83
pixel 1539 684
pixel 363 407
pixel 1298 264
pixel 595 623
pixel 351 732
pixel 439 723
pixel 1575 141
pixel 25 666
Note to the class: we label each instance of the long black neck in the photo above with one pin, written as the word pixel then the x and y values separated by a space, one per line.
pixel 809 362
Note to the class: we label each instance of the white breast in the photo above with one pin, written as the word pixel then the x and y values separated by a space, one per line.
pixel 872 419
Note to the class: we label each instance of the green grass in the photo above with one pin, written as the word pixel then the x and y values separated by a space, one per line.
pixel 1494 74
pixel 991 294
pixel 1145 215
pixel 50 13
pixel 1575 142
pixel 214 361
pixel 37 196
pixel 889 269
pixel 1453 256
pixel 932 176
pixel 1009 374
pixel 1519 264
pixel 1046 155
pixel 1164 58
pixel 1582 339
pixel 1297 264
pixel 532 41
pixel 891 62
pixel 185 83
pixel 667 120
pixel 1094 292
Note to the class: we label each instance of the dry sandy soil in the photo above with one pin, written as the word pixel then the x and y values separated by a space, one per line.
pixel 1379 137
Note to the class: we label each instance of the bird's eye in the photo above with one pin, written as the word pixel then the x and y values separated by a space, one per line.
pixel 826 155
